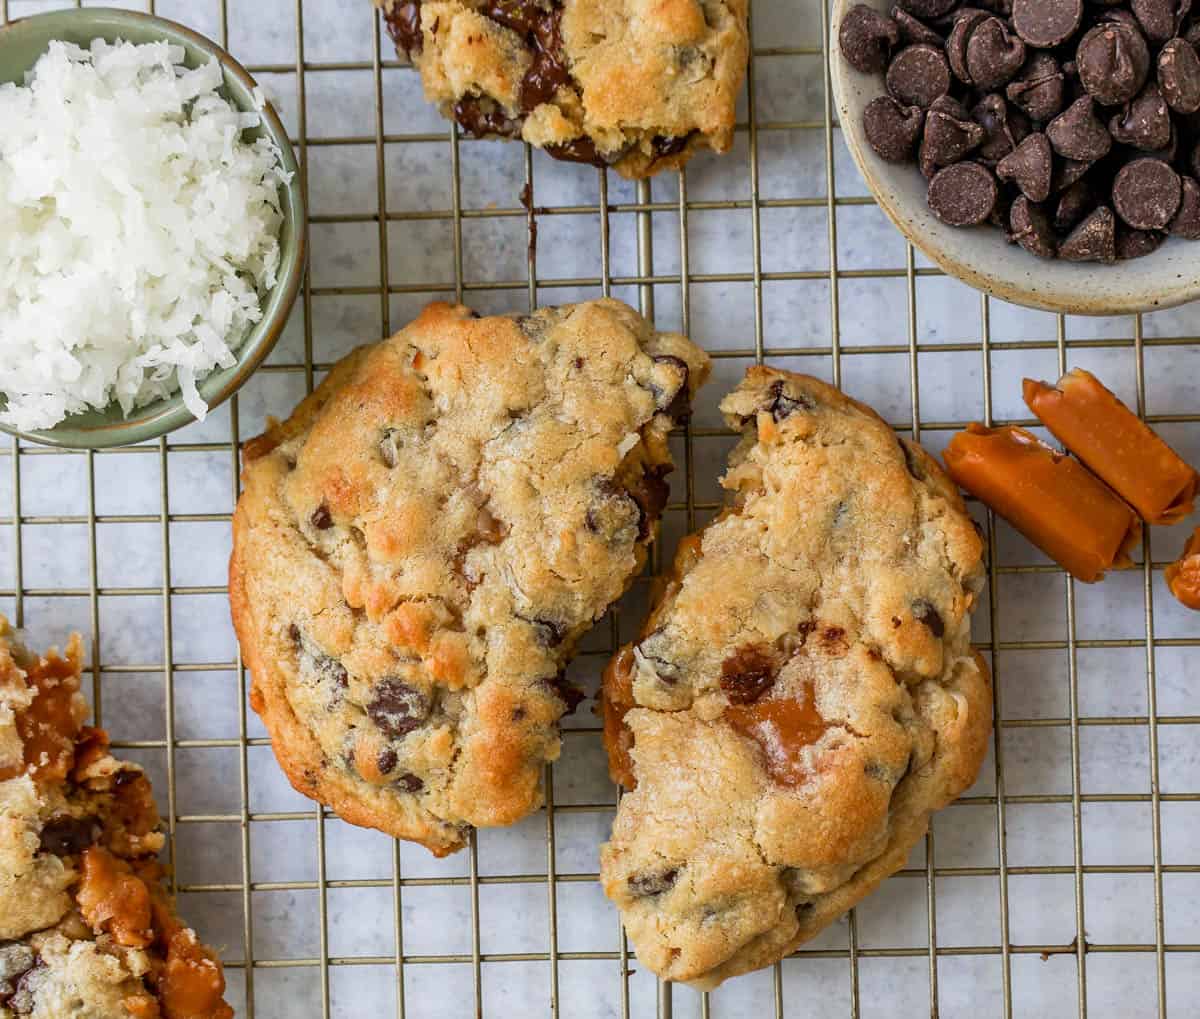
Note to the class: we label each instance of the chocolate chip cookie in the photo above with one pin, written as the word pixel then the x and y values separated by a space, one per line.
pixel 638 85
pixel 420 546
pixel 804 693
pixel 86 925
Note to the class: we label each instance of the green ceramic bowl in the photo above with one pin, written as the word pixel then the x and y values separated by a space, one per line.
pixel 21 43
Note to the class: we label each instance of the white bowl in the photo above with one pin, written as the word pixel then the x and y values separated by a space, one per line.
pixel 979 255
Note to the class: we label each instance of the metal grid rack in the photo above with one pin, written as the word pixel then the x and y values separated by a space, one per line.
pixel 250 969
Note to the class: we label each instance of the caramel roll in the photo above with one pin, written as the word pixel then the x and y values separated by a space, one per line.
pixel 1050 498
pixel 1120 448
pixel 1183 577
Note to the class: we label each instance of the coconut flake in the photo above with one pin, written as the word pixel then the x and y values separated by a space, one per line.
pixel 139 233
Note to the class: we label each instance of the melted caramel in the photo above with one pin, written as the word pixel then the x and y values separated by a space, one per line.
pixel 113 899
pixel 49 726
pixel 1183 577
pixel 616 700
pixel 782 728
pixel 191 985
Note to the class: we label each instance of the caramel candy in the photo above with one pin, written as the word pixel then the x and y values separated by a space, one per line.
pixel 1050 498
pixel 1118 447
pixel 1183 577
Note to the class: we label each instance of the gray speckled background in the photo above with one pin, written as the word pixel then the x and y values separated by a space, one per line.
pixel 322 890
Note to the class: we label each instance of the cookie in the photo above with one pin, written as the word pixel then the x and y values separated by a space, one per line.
pixel 638 85
pixel 419 547
pixel 86 924
pixel 803 694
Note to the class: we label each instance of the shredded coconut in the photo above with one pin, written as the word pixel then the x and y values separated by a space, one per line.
pixel 138 231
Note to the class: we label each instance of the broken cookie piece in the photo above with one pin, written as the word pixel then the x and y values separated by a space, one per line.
pixel 803 694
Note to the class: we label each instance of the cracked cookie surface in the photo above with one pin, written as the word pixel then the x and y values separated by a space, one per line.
pixel 419 547
pixel 639 85
pixel 804 692
pixel 86 926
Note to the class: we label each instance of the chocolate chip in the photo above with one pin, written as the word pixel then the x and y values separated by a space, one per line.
pixel 670 145
pixel 294 634
pixel 748 673
pixel 1068 172
pixel 1133 244
pixel 649 885
pixel 1073 205
pixel 949 135
pixel 1040 89
pixel 578 150
pixel 1046 23
pixel 1186 223
pixel 404 26
pixel 963 194
pixel 1179 76
pixel 68 836
pixel 1003 128
pixel 1160 19
pixel 673 401
pixel 1147 194
pixel 650 492
pixel 914 30
pixel 387 760
pixel 1113 63
pixel 892 130
pixel 1093 240
pixel 965 22
pixel 1030 228
pixel 483 117
pixel 994 54
pixel 565 691
pixel 548 72
pixel 321 518
pixel 932 9
pixel 918 76
pixel 1029 166
pixel 328 670
pixel 1077 134
pixel 784 404
pixel 1145 123
pixel 867 38
pixel 397 708
pixel 924 612
pixel 409 782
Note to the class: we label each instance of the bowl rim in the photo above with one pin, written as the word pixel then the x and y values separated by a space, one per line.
pixel 1167 293
pixel 157 419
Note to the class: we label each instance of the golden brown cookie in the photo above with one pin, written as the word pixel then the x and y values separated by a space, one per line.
pixel 86 924
pixel 420 546
pixel 638 85
pixel 804 693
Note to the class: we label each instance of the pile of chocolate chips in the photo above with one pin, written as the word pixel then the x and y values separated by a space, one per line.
pixel 1074 126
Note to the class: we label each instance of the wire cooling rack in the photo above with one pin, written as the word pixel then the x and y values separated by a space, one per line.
pixel 1064 882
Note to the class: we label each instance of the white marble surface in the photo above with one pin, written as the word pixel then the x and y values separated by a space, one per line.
pixel 358 869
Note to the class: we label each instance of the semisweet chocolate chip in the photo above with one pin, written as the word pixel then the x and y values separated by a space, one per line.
pixel 994 54
pixel 1160 19
pixel 578 150
pixel 548 72
pixel 925 613
pixel 914 30
pixel 931 9
pixel 1069 171
pixel 294 634
pixel 1147 194
pixel 1093 240
pixel 565 691
pixel 68 836
pixel 650 492
pixel 1046 23
pixel 1179 76
pixel 963 194
pixel 1004 128
pixel 784 404
pixel 321 518
pixel 650 885
pixel 397 708
pixel 673 401
pixel 949 135
pixel 404 26
pixel 918 76
pixel 1113 62
pixel 483 117
pixel 1040 89
pixel 1145 123
pixel 748 673
pixel 1077 134
pixel 409 782
pixel 965 22
pixel 1030 228
pixel 1133 244
pixel 1029 166
pixel 387 760
pixel 892 130
pixel 1186 223
pixel 1073 205
pixel 867 38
